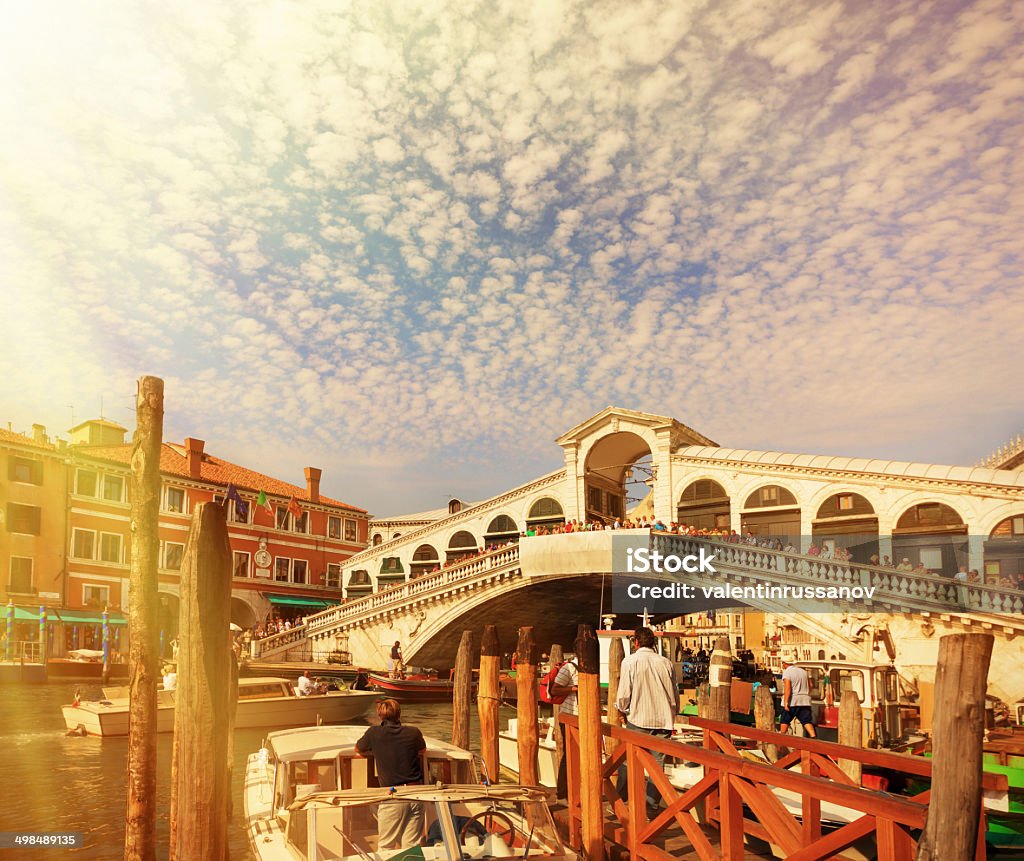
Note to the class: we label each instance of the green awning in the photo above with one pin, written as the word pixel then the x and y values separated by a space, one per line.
pixel 88 617
pixel 298 601
pixel 23 615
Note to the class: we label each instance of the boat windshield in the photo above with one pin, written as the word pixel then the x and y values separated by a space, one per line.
pixel 488 828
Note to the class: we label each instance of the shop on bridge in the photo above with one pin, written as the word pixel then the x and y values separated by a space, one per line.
pixel 933 535
pixel 847 520
pixel 772 511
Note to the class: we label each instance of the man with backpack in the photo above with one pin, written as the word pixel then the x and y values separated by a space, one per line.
pixel 561 690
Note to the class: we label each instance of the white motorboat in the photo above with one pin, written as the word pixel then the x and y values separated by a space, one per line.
pixel 323 760
pixel 262 702
pixel 547 754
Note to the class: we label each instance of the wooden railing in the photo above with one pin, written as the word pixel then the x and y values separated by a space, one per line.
pixel 480 567
pixel 736 798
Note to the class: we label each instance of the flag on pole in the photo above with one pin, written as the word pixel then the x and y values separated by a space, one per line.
pixel 264 503
pixel 294 509
pixel 241 506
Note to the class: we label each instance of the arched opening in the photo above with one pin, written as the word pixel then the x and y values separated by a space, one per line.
pixel 545 512
pixel 847 520
pixel 392 572
pixel 377 539
pixel 462 545
pixel 618 476
pixel 454 506
pixel 1004 553
pixel 395 535
pixel 424 560
pixel 359 584
pixel 772 511
pixel 930 537
pixel 503 528
pixel 704 504
pixel 242 614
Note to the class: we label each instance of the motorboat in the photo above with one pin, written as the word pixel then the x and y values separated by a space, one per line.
pixel 84 664
pixel 323 761
pixel 265 701
pixel 547 754
pixel 418 688
pixel 460 822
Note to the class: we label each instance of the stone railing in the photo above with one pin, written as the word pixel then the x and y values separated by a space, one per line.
pixel 457 576
pixel 260 647
pixel 900 589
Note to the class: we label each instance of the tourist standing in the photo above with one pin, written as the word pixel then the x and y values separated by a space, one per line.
pixel 648 698
pixel 565 684
pixel 396 752
pixel 796 698
pixel 395 661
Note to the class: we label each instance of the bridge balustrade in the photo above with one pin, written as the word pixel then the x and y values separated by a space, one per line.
pixel 275 641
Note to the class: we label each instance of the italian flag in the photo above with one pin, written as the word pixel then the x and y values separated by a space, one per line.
pixel 264 503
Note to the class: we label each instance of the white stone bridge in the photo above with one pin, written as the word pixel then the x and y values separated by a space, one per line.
pixel 555 582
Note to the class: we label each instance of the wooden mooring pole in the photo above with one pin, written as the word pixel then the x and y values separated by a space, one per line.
pixel 526 709
pixel 720 680
pixel 143 647
pixel 961 677
pixel 764 718
pixel 201 785
pixel 488 698
pixel 851 732
pixel 589 702
pixel 462 691
pixel 616 652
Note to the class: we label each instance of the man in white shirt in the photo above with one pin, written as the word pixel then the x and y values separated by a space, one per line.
pixel 796 698
pixel 565 684
pixel 648 699
pixel 305 685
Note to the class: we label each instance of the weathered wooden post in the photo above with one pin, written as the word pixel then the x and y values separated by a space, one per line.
pixel 140 813
pixel 462 691
pixel 616 653
pixel 488 698
pixel 555 657
pixel 703 700
pixel 764 718
pixel 201 787
pixel 526 708
pixel 720 680
pixel 589 703
pixel 961 677
pixel 851 733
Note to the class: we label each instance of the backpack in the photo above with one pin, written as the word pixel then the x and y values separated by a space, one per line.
pixel 548 682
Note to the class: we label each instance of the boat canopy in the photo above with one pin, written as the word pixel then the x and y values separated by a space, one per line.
pixel 451 793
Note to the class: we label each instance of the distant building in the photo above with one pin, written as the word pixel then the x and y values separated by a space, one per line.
pixel 66 541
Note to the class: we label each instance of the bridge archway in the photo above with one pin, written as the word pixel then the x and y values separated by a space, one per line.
pixel 704 504
pixel 242 613
pixel 772 510
pixel 610 470
pixel 545 512
pixel 847 520
pixel 461 545
pixel 424 560
pixel 931 534
pixel 1004 551
pixel 501 529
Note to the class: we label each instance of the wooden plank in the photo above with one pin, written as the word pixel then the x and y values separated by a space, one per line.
pixel 832 771
pixel 895 842
pixel 731 822
pixel 782 827
pixel 837 841
pixel 810 804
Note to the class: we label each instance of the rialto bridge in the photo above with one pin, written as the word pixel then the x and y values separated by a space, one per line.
pixel 427 585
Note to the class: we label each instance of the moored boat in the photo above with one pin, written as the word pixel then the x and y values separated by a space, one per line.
pixel 84 664
pixel 262 702
pixel 299 763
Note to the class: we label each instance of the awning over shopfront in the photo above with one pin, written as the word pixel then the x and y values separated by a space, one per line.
pixel 298 600
pixel 88 617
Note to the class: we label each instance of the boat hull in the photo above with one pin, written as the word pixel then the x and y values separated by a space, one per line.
pixel 111 720
pixel 64 668
pixel 414 690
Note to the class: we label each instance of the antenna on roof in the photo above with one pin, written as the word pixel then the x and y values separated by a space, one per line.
pixel 72 408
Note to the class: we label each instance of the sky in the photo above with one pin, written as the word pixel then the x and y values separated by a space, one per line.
pixel 411 243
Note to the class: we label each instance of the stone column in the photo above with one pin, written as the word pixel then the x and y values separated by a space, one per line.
pixel 661 458
pixel 885 539
pixel 805 529
pixel 975 549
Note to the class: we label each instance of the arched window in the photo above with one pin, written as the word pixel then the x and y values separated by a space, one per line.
pixel 424 553
pixel 454 506
pixel 461 544
pixel 931 537
pixel 501 529
pixel 544 509
pixel 424 560
pixel 770 495
pixel 845 505
pixel 847 521
pixel 377 539
pixel 929 517
pixel 704 504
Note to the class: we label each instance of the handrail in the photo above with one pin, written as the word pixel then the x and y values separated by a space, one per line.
pixel 478 567
pixel 262 645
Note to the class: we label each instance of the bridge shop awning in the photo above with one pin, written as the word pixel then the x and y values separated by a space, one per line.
pixel 88 617
pixel 298 600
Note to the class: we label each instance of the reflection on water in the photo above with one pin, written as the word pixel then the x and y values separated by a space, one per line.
pixel 53 782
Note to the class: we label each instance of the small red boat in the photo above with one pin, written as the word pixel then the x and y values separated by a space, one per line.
pixel 418 688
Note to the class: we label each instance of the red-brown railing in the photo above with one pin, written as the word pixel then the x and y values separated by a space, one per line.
pixel 735 797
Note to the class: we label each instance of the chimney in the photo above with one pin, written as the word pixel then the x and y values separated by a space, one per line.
pixel 39 434
pixel 313 483
pixel 194 456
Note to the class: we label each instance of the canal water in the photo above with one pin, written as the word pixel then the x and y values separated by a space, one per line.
pixel 52 782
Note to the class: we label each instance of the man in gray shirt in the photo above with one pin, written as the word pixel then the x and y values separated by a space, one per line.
pixel 648 698
pixel 796 698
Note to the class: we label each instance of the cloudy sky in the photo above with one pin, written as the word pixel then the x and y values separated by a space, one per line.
pixel 413 242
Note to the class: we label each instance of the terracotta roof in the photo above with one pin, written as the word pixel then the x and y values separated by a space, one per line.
pixel 213 471
pixel 13 438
